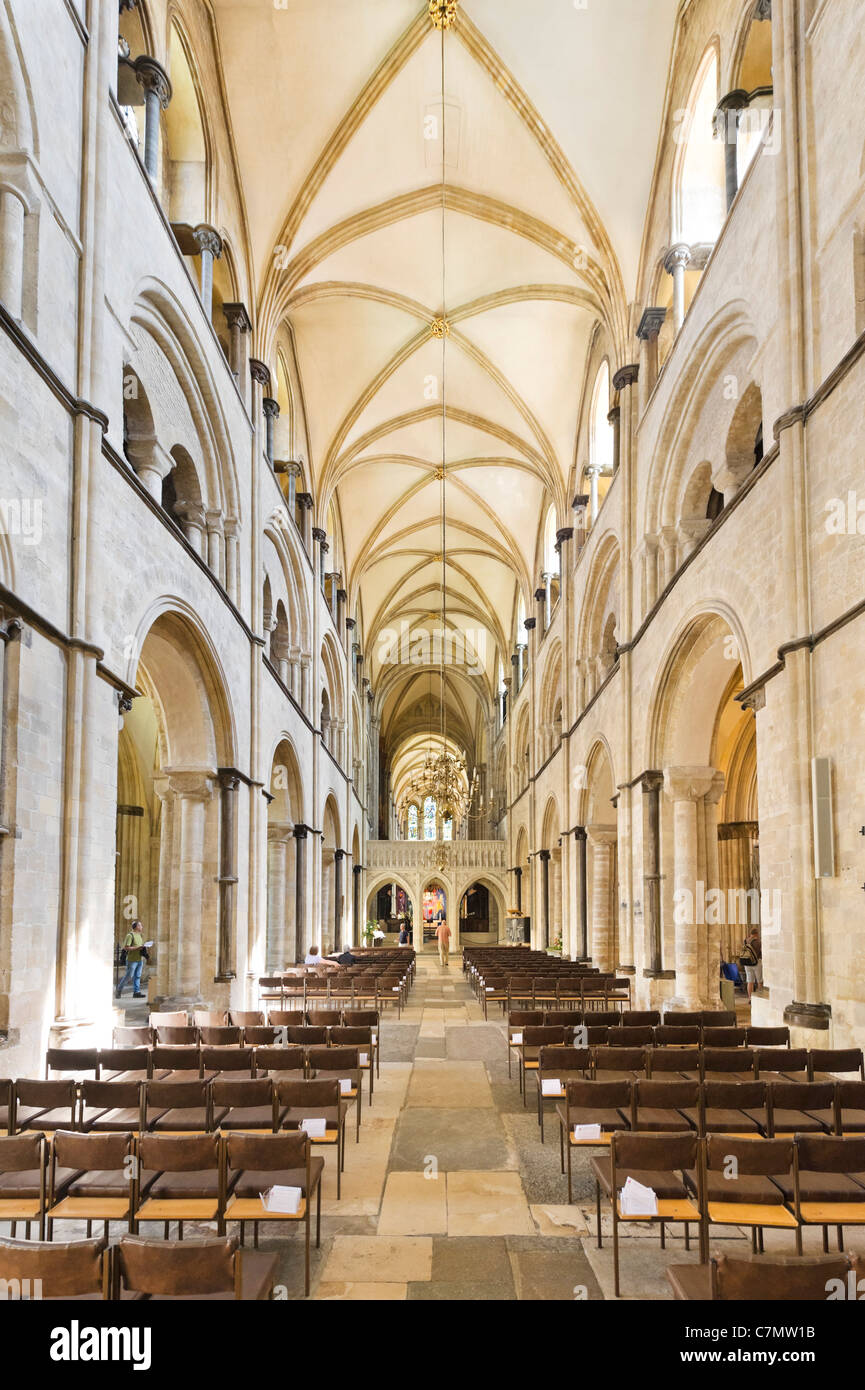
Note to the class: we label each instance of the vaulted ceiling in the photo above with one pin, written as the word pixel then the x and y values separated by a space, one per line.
pixel 551 118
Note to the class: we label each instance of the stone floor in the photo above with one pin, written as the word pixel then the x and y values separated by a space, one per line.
pixel 450 1195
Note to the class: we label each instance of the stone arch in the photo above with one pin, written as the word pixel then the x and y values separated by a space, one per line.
pixel 550 704
pixel 187 147
pixel 595 651
pixel 380 881
pixel 498 900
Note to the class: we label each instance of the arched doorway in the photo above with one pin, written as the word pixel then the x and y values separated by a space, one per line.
pixel 176 850
pixel 481 915
pixel 434 908
pixel 383 895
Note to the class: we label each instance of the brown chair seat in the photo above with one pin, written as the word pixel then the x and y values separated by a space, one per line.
pixel 247 1117
pixel 799 1122
pixel 760 1115
pixel 250 1183
pixel 852 1121
pixel 666 1186
pixel 112 1120
pixel 23 1185
pixel 111 1182
pixel 193 1118
pixel 126 1076
pixel 825 1187
pixel 190 1182
pixel 291 1116
pixel 749 1190
pixel 720 1121
pixel 257 1276
pixel 607 1119
pixel 663 1121
pixel 691 1282
pixel 32 1117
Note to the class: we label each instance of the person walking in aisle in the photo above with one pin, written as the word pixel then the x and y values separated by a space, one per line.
pixel 135 953
pixel 443 933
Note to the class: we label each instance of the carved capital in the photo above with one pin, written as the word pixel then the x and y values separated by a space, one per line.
pixel 627 375
pixel 153 78
pixel 259 371
pixel 237 317
pixel 207 238
pixel 651 323
pixel 689 782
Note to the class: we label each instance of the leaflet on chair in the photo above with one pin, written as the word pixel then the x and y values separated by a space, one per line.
pixel 282 1199
pixel 315 1127
pixel 551 1086
pixel 587 1131
pixel 637 1200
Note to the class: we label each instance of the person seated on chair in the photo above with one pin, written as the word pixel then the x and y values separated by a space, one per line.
pixel 313 956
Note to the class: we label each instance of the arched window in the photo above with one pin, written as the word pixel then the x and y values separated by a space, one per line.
pixel 448 829
pixel 429 818
pixel 551 555
pixel 601 445
pixel 699 203
pixel 412 822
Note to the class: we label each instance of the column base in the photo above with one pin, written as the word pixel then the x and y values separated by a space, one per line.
pixel 659 974
pixel 626 970
pixel 174 1003
pixel 800 1015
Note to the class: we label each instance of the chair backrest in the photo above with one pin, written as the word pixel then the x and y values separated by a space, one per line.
pixel 754 1157
pixel 666 1095
pixel 544 1036
pixel 92 1153
pixel 351 1037
pixel 556 1059
pixel 120 1095
pixel 21 1152
pixel 640 1018
pixel 631 1037
pixel 734 1095
pixel 133 1037
pixel 785 1059
pixel 225 1036
pixel 682 1018
pixel 282 1018
pixel 279 1059
pixel 718 1018
pixel 668 1059
pixel 72 1059
pixel 321 1092
pixel 252 1018
pixel 306 1036
pixel 176 1058
pixel 175 1095
pixel 611 1018
pixel 268 1153
pixel 178 1268
pixel 768 1037
pixel 66 1269
pixel 341 1059
pixel 260 1035
pixel 620 1059
pixel 50 1095
pixel 362 1018
pixel 836 1060
pixel 324 1018
pixel 851 1095
pixel 242 1091
pixel 178 1019
pixel 209 1018
pixel 829 1153
pixel 667 1035
pixel 801 1095
pixel 776 1278
pixel 227 1059
pixel 724 1037
pixel 599 1095
pixel 178 1153
pixel 124 1059
pixel 739 1059
pixel 654 1153
pixel 526 1018
pixel 173 1035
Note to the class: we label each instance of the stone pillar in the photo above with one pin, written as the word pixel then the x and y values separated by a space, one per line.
pixel 341 600
pixel 230 531
pixel 602 839
pixel 301 928
pixel 614 418
pixel 277 884
pixel 191 515
pixel 725 126
pixel 157 94
pixel 676 260
pixel 556 896
pixel 270 407
pixel 238 326
pixel 213 518
pixel 729 476
pixel 650 326
pixel 292 473
pixel 686 788
pixel 304 501
pixel 225 953
pixel 12 214
pixel 593 495
pixel 548 598
pixel 518 878
pixel 622 803
pixel 690 532
pixel 320 535
pixel 209 244
pixel 541 601
pixel 193 791
pixel 150 462
pixel 544 856
pixel 669 556
pixel 654 946
pixel 338 940
pixel 579 504
pixel 582 894
pixel 714 928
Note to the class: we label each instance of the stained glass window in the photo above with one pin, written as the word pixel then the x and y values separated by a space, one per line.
pixel 429 818
pixel 412 822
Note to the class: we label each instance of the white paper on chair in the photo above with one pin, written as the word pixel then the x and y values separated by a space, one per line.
pixel 516 1038
pixel 587 1131
pixel 316 1128
pixel 346 1086
pixel 637 1200
pixel 490 989
pixel 284 1199
pixel 550 1086
pixel 373 1038
pixel 364 1059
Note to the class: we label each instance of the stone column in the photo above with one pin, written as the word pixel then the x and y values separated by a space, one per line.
pixel 277 885
pixel 622 804
pixel 320 535
pixel 548 598
pixel 209 244
pixel 270 407
pixel 338 941
pixel 556 896
pixel 544 856
pixel 301 928
pixel 356 924
pixel 729 476
pixel 193 791
pixel 602 838
pixel 304 501
pixel 191 515
pixel 157 94
pixel 686 787
pixel 150 462
pixel 541 601
pixel 238 326
pixel 518 878
pixel 650 326
pixel 725 126
pixel 690 532
pixel 650 572
pixel 230 531
pixel 593 495
pixel 654 946
pixel 215 559
pixel 614 418
pixel 225 953
pixel 714 928
pixel 12 214
pixel 582 894
pixel 677 258
pixel 292 473
pixel 579 504
pixel 669 556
